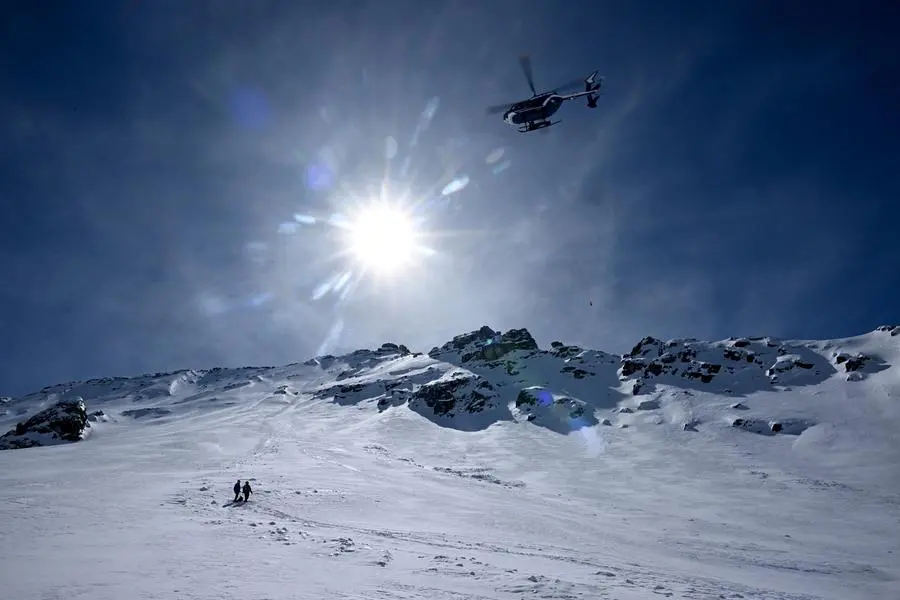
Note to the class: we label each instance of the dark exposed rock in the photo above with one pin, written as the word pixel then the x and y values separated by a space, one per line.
pixel 649 405
pixel 565 352
pixel 486 344
pixel 576 372
pixel 531 397
pixel 97 415
pixel 630 367
pixel 556 412
pixel 646 345
pixel 653 358
pixel 851 362
pixel 462 342
pixel 392 348
pixel 759 363
pixel 733 354
pixel 66 421
pixel 784 426
pixel 353 393
pixel 152 412
pixel 519 339
pixel 447 397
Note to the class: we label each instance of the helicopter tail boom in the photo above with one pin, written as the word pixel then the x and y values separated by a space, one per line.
pixel 592 85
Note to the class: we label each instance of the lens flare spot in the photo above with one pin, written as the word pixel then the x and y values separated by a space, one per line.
pixel 321 172
pixel 494 156
pixel 457 185
pixel 332 338
pixel 319 177
pixel 502 167
pixel 305 219
pixel 390 147
pixel 544 397
pixel 287 228
pixel 339 220
pixel 321 289
pixel 431 108
pixel 348 289
pixel 342 281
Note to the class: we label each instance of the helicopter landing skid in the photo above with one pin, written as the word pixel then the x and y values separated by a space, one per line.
pixel 535 125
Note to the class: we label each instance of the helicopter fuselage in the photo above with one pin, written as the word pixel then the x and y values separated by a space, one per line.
pixel 539 108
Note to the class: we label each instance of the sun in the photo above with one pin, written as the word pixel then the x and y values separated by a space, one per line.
pixel 384 238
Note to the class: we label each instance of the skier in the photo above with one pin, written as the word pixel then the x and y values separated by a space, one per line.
pixel 237 491
pixel 247 491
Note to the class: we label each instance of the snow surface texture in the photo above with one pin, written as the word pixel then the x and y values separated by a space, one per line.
pixel 485 469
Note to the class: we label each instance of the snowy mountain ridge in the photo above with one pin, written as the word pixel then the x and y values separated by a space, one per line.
pixel 487 468
pixel 485 376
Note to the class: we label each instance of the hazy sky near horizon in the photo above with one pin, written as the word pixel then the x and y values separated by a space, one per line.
pixel 160 161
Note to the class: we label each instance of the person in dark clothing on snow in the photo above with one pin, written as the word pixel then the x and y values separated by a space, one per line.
pixel 237 491
pixel 247 491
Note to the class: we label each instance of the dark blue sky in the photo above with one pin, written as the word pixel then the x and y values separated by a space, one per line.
pixel 739 177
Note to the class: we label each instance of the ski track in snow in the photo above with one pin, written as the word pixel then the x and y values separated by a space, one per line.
pixel 353 503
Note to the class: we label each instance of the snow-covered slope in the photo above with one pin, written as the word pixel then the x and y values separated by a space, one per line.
pixel 486 468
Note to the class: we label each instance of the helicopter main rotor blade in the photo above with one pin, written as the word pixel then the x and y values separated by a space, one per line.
pixel 570 86
pixel 499 108
pixel 525 61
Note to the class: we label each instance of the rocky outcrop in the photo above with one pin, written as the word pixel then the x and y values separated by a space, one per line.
pixel 486 349
pixel 762 427
pixel 359 361
pixel 891 329
pixel 480 378
pixel 458 394
pixel 559 413
pixel 484 344
pixel 353 393
pixel 759 363
pixel 857 366
pixel 850 362
pixel 98 416
pixel 153 412
pixel 652 357
pixel 65 421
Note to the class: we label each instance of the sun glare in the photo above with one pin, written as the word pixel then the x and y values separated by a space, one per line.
pixel 383 238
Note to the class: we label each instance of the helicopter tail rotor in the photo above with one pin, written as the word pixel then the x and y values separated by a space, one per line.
pixel 525 62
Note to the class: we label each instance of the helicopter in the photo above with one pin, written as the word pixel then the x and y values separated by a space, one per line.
pixel 535 112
